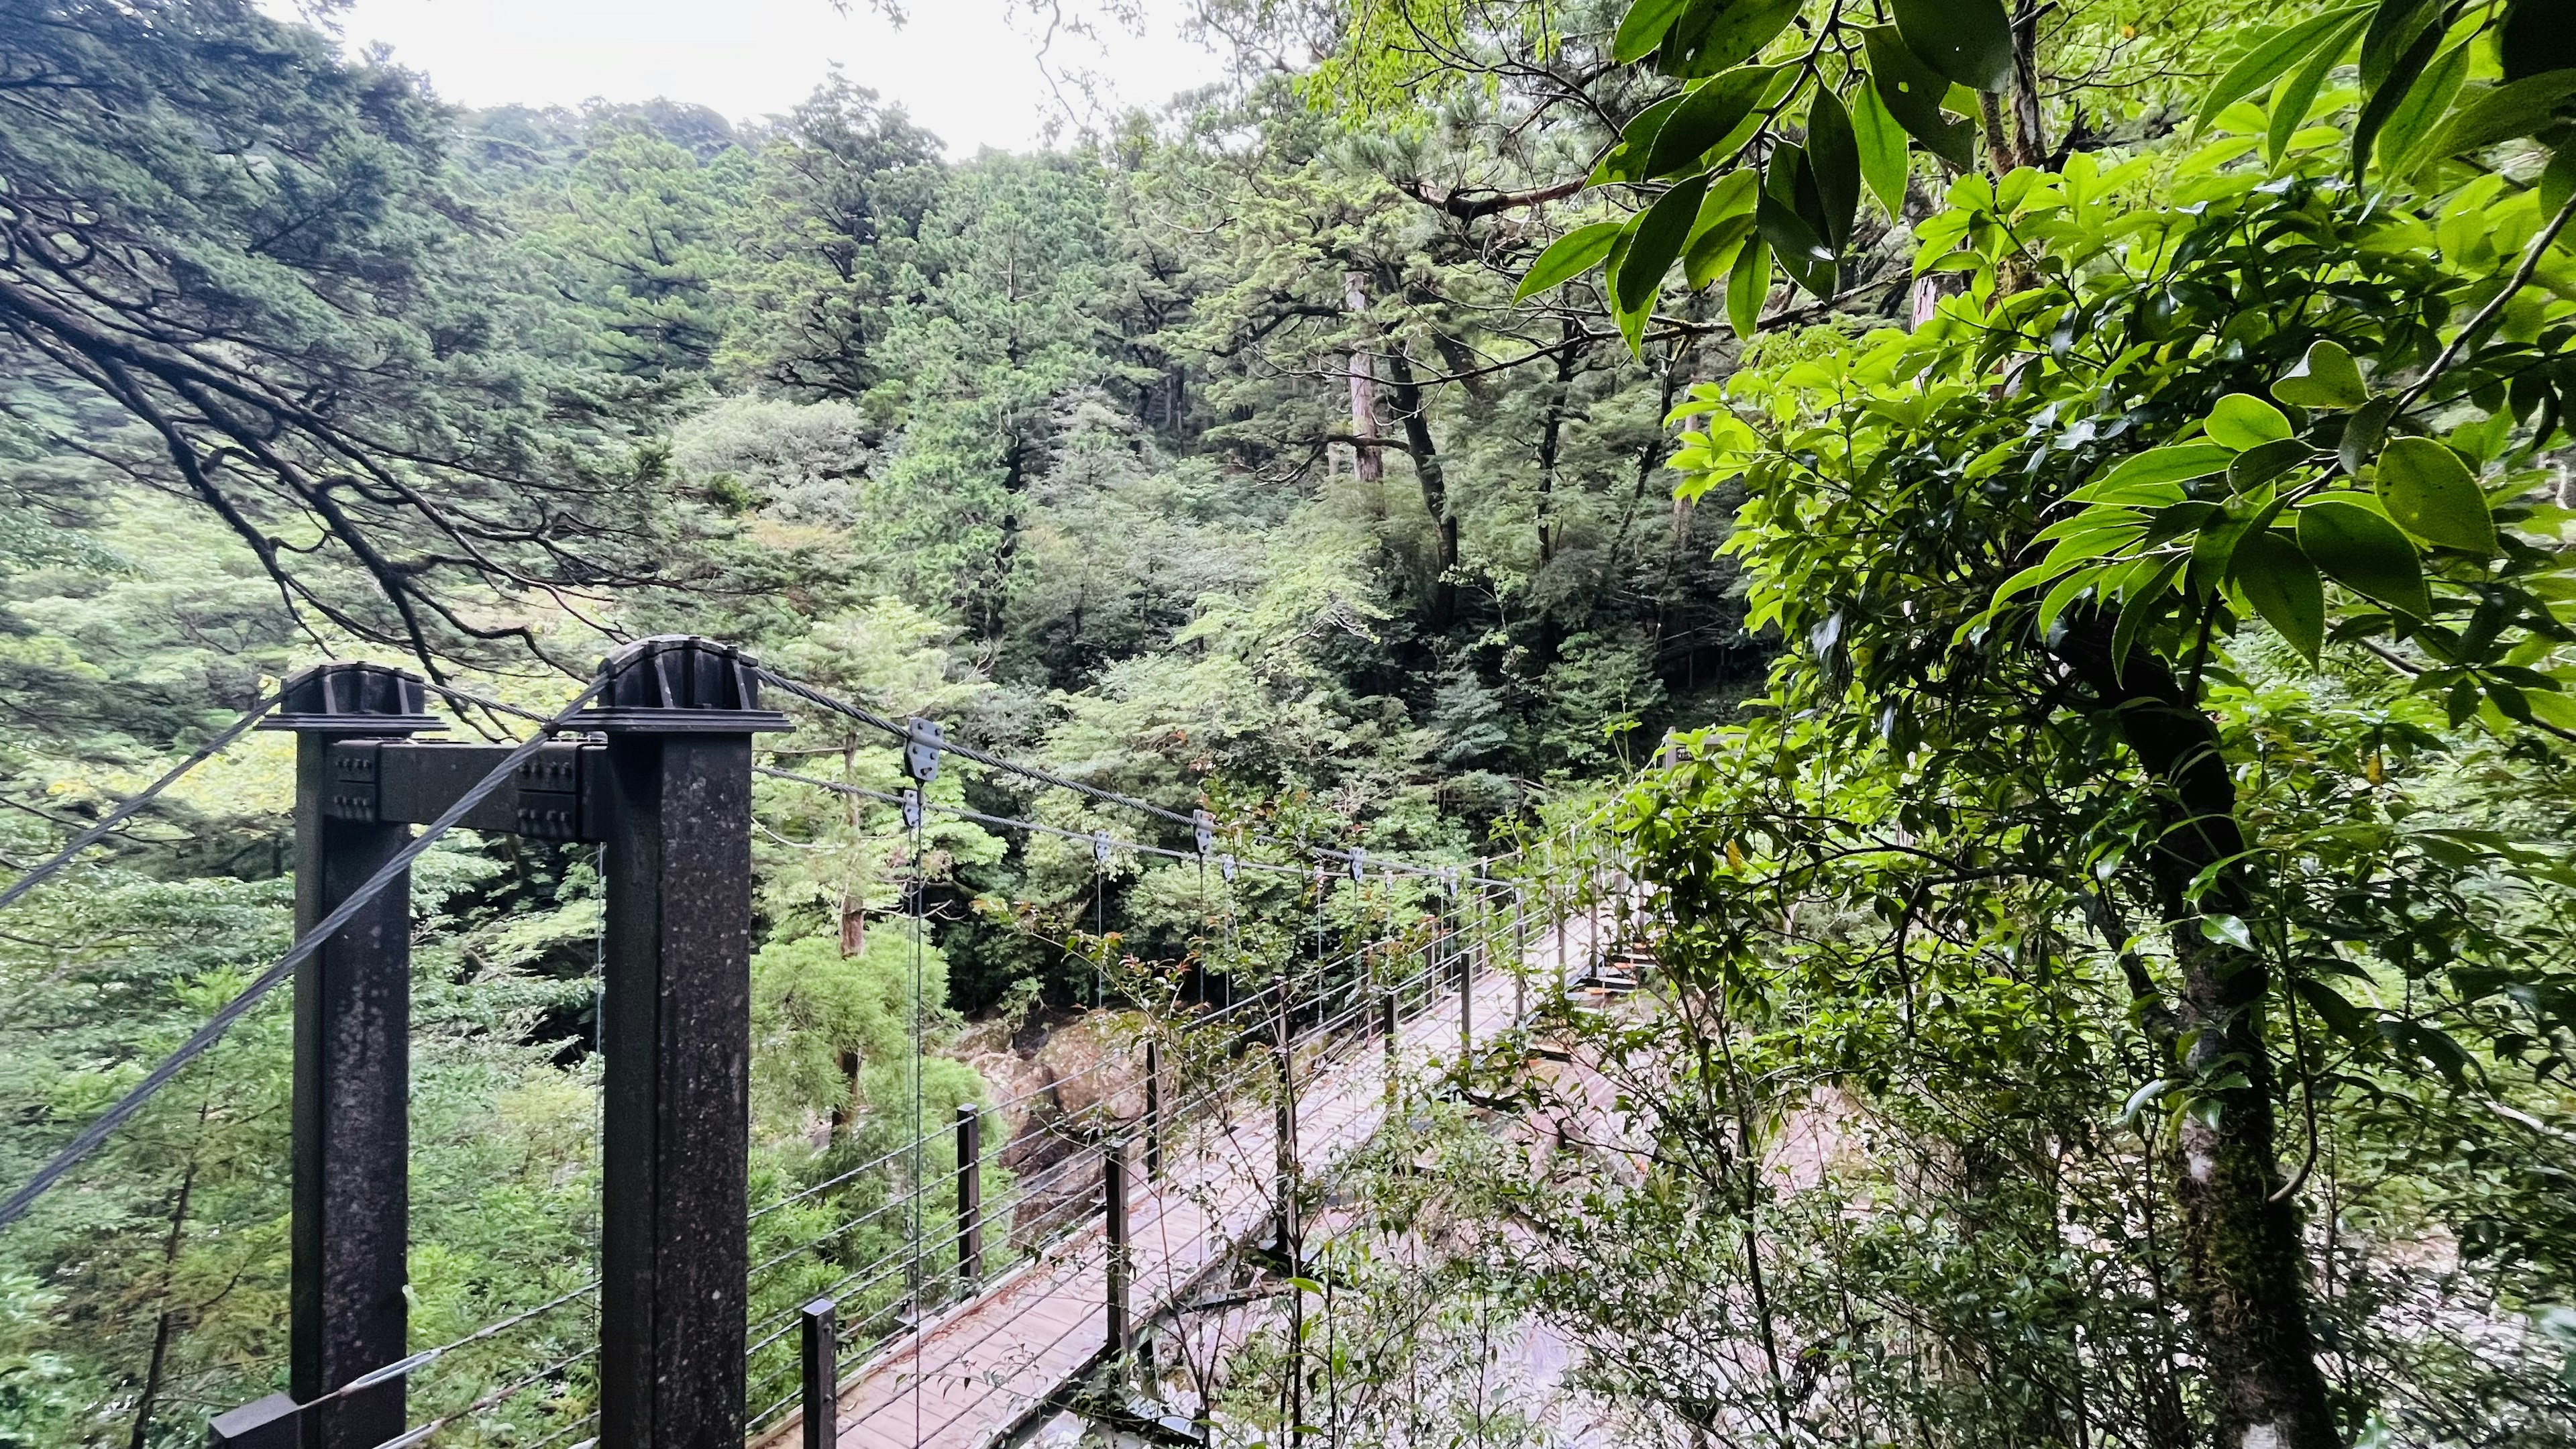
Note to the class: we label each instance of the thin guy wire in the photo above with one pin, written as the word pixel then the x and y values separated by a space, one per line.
pixel 312 941
pixel 1031 772
pixel 1045 777
pixel 423 1359
pixel 134 803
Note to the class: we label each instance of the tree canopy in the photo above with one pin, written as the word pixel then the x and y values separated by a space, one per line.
pixel 2034 533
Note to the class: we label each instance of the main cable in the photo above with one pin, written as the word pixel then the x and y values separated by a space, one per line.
pixel 874 720
pixel 877 721
pixel 303 949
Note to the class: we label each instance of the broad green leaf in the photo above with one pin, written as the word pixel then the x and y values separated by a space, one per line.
pixel 2101 518
pixel 1803 254
pixel 2298 95
pixel 1728 195
pixel 2363 431
pixel 2558 181
pixel 1712 253
pixel 1713 35
pixel 2365 553
pixel 2402 144
pixel 2269 58
pixel 1706 116
pixel 2325 377
pixel 2102 539
pixel 2405 73
pixel 2180 517
pixel 1642 29
pixel 2066 591
pixel 1568 257
pixel 2214 551
pixel 2394 24
pixel 2517 108
pixel 2340 1016
pixel 1970 41
pixel 2229 929
pixel 2241 420
pixel 2264 462
pixel 2431 494
pixel 2140 1099
pixel 1631 322
pixel 2173 463
pixel 2139 606
pixel 1748 286
pixel 1913 94
pixel 1833 156
pixel 1627 160
pixel 1657 244
pixel 2277 579
pixel 1882 149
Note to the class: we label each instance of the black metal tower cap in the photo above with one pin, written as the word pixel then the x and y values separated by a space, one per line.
pixel 354 699
pixel 680 684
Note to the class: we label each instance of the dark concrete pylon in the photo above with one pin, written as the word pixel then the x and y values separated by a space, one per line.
pixel 664 781
pixel 679 714
pixel 350 1234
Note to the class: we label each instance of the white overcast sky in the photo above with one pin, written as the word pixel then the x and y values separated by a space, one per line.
pixel 966 69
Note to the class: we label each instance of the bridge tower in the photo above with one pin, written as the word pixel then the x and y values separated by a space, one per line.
pixel 663 781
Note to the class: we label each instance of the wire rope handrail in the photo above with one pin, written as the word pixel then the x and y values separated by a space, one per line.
pixel 490 1401
pixel 1021 1193
pixel 413 1363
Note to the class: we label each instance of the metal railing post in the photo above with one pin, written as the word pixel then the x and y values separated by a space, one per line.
pixel 970 1196
pixel 1113 1173
pixel 1284 1189
pixel 1466 996
pixel 1386 1027
pixel 1153 1110
pixel 821 1361
pixel 1520 960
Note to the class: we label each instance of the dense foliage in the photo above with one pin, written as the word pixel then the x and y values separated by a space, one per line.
pixel 1065 449
pixel 2085 478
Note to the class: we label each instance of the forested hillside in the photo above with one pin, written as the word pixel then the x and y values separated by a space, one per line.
pixel 2081 483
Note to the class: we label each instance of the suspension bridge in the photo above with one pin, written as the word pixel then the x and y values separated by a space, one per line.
pixel 1206 1135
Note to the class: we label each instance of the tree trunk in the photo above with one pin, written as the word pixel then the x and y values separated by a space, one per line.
pixel 2029 134
pixel 2244 1269
pixel 854 925
pixel 1649 459
pixel 1367 463
pixel 1551 437
pixel 1429 472
pixel 164 1325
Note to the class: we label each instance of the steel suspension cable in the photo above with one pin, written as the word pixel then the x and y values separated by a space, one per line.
pixel 877 721
pixel 134 803
pixel 206 1036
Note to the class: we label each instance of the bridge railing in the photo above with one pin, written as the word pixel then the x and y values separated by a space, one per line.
pixel 673 1329
pixel 1189 1069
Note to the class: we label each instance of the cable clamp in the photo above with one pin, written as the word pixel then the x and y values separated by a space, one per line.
pixel 922 743
pixel 911 806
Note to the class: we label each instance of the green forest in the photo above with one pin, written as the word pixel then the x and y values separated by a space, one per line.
pixel 2036 534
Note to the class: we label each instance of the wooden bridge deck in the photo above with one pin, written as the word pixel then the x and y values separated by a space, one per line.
pixel 986 1366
